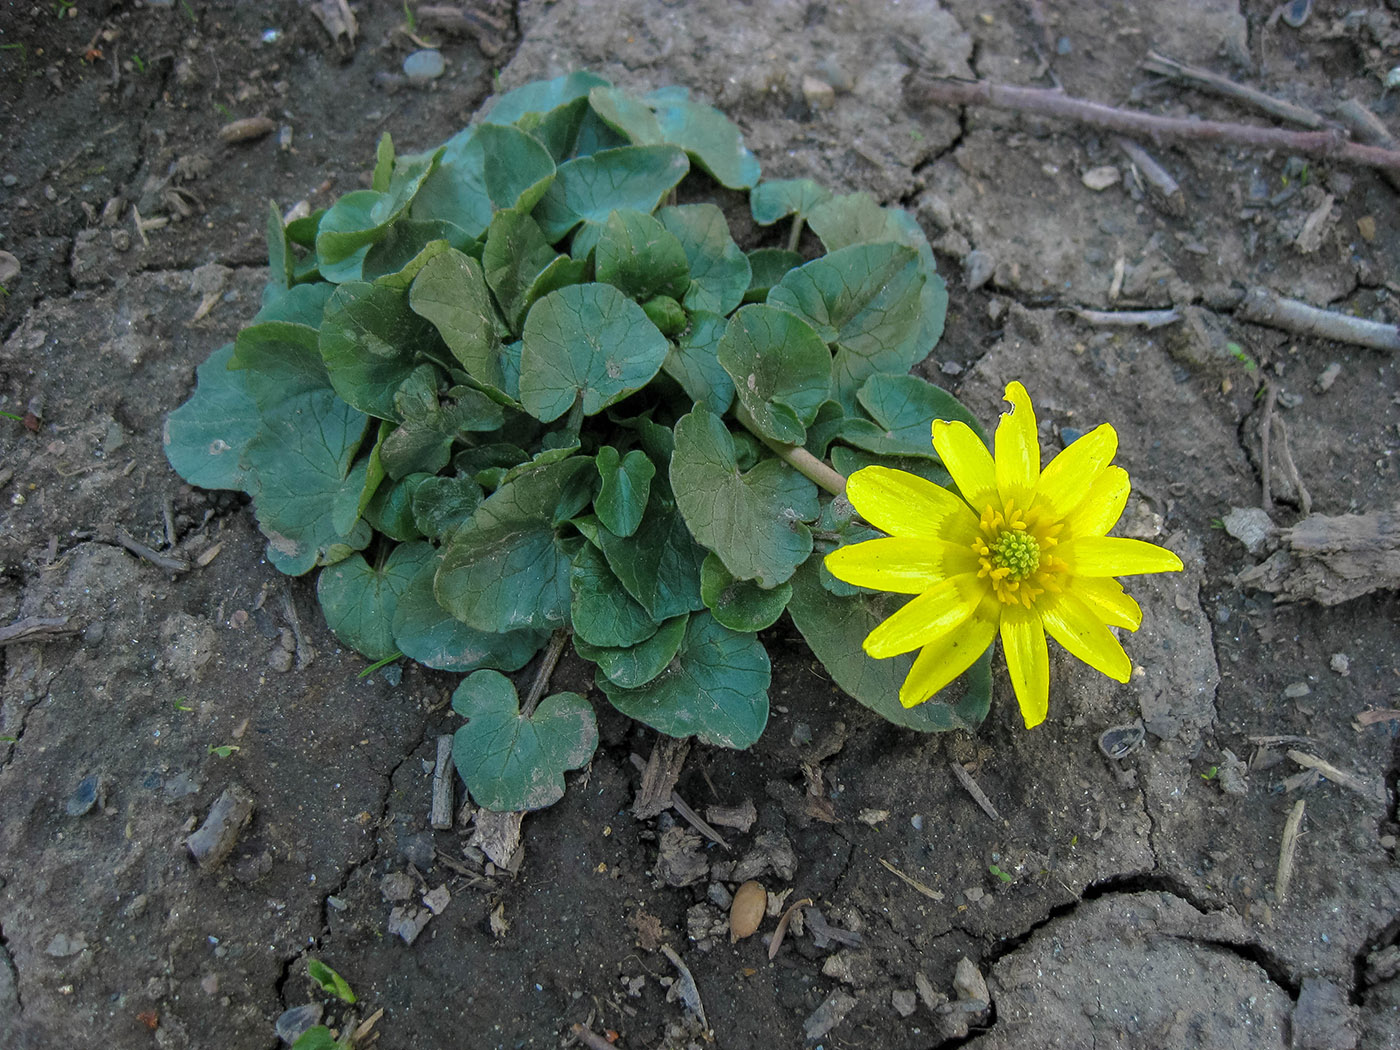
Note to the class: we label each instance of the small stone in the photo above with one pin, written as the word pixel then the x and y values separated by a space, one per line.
pixel 950 368
pixel 210 984
pixel 1252 526
pixel 974 893
pixel 969 983
pixel 281 660
pixel 819 94
pixel 1323 1019
pixel 827 1016
pixel 436 900
pixel 9 267
pixel 408 922
pixel 84 797
pixel 904 1001
pixel 1328 376
pixel 1340 663
pixel 978 267
pixel 396 886
pixel 121 240
pixel 291 1024
pixel 214 840
pixel 423 66
pixel 1297 690
pixel 1101 178
pixel 10 180
pixel 1366 226
pixel 61 945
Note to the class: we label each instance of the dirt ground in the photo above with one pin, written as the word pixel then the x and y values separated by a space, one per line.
pixel 1128 902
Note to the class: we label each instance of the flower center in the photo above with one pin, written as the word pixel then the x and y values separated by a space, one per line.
pixel 1014 552
pixel 1018 552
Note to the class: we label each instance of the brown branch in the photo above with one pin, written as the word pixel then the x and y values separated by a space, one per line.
pixel 35 629
pixel 1204 78
pixel 552 652
pixel 922 89
pixel 1260 306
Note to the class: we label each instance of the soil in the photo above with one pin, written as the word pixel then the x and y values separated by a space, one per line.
pixel 1130 902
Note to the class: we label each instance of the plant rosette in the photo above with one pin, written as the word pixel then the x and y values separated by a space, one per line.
pixel 515 389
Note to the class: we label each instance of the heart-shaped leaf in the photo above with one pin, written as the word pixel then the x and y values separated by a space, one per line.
pixel 780 367
pixel 693 363
pixel 634 666
pixel 359 600
pixel 492 167
pixel 451 292
pixel 521 266
pixel 719 270
pixel 639 257
pixel 741 605
pixel 205 438
pixel 426 632
pixel 371 342
pixel 603 613
pixel 626 486
pixel 778 198
pixel 589 189
pixel 711 139
pixel 512 761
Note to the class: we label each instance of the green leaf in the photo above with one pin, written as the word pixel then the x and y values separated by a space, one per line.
pixel 317 1037
pixel 407 245
pixel 280 361
pixel 836 627
pixel 640 258
pixel 863 300
pixel 307 496
pixel 634 666
pixel 371 342
pixel 493 167
pixel 692 362
pixel 426 632
pixel 715 689
pixel 659 564
pixel 511 761
pixel 359 218
pixel 753 521
pixel 603 613
pixel 205 438
pixel 280 258
pixel 839 525
pixel 626 486
pixel 780 367
pixel 666 314
pixel 627 115
pixel 719 270
pixel 424 440
pixel 778 198
pixel 591 188
pixel 383 164
pixel 589 342
pixel 711 139
pixel 521 266
pixel 390 509
pixel 442 505
pixel 906 406
pixel 359 600
pixel 327 979
pixel 741 605
pixel 543 96
pixel 302 304
pixel 506 568
pixel 768 267
pixel 451 292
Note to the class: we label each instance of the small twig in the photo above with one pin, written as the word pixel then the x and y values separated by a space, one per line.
pixel 1367 127
pixel 1127 318
pixel 305 654
pixel 921 88
pixel 590 1038
pixel 679 804
pixel 1261 306
pixel 440 815
pixel 690 994
pixel 1338 776
pixel 1291 469
pixel 776 941
pixel 663 769
pixel 160 561
pixel 1164 187
pixel 1224 86
pixel 1377 714
pixel 911 882
pixel 35 629
pixel 168 511
pixel 1287 849
pixel 978 795
pixel 552 652
pixel 1266 428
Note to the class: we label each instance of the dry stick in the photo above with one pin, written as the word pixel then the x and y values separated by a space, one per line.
pixel 1204 78
pixel 1264 307
pixel 160 561
pixel 978 795
pixel 440 814
pixel 1127 318
pixel 1291 469
pixel 922 88
pixel 679 805
pixel 1265 428
pixel 552 652
pixel 1163 185
pixel 1287 849
pixel 35 629
pixel 1367 127
pixel 1337 776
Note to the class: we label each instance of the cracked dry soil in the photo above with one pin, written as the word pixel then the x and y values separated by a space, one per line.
pixel 1128 902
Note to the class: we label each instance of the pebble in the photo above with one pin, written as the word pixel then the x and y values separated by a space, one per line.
pixel 213 842
pixel 1366 226
pixel 10 180
pixel 84 797
pixel 62 945
pixel 425 65
pixel 904 1001
pixel 819 94
pixel 1101 178
pixel 291 1024
pixel 9 267
pixel 1341 663
pixel 1297 690
pixel 1328 376
pixel 968 981
pixel 978 267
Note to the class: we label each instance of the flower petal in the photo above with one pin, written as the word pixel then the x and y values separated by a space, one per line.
pixel 1116 556
pixel 1101 508
pixel 967 460
pixel 1017 447
pixel 1104 595
pixel 905 504
pixel 1028 664
pixel 1070 475
pixel 945 658
pixel 899 564
pixel 1074 625
pixel 931 615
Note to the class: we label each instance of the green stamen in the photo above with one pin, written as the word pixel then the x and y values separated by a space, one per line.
pixel 1018 552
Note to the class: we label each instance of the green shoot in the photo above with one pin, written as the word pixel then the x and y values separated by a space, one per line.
pixel 180 704
pixel 999 873
pixel 378 664
pixel 223 750
pixel 1239 354
pixel 138 62
pixel 408 19
pixel 329 981
pixel 12 415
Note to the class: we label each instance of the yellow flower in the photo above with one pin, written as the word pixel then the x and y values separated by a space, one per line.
pixel 1022 553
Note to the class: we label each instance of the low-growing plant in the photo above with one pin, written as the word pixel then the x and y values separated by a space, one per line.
pixel 516 390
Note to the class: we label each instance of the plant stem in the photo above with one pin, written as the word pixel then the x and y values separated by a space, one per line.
pixel 552 652
pixel 795 234
pixel 797 457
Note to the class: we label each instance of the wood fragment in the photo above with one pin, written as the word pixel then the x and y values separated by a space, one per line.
pixel 1339 777
pixel 1227 88
pixel 1372 716
pixel 247 129
pixel 548 662
pixel 1127 318
pixel 364 1027
pixel 305 653
pixel 921 88
pixel 160 561
pixel 591 1039
pixel 1331 559
pixel 1287 849
pixel 659 776
pixel 693 818
pixel 208 556
pixel 440 816
pixel 689 993
pixel 978 795
pixel 1164 188
pixel 778 934
pixel 1367 127
pixel 1290 468
pixel 498 836
pixel 913 883
pixel 740 817
pixel 1262 306
pixel 33 629
pixel 1266 428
